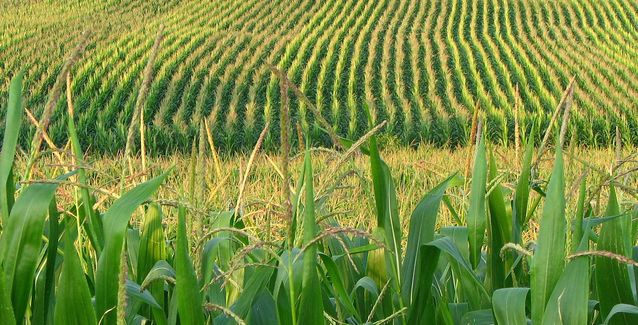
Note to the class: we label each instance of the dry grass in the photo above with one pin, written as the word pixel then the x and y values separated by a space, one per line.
pixel 343 190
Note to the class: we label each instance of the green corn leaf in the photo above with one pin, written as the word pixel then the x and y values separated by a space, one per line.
pixel 21 242
pixel 135 293
pixel 152 249
pixel 421 231
pixel 311 307
pixel 421 311
pixel 500 232
pixel 549 258
pixel 476 214
pixel 161 271
pixel 282 292
pixel 337 283
pixel 387 212
pixel 45 281
pixel 577 225
pixel 9 143
pixel 612 278
pixel 621 310
pixel 508 305
pixel 189 299
pixel 115 221
pixel 73 298
pixel 521 194
pixel 6 308
pixel 258 279
pixel 458 235
pixel 367 285
pixel 478 317
pixel 568 303
pixel 264 310
pixel 474 290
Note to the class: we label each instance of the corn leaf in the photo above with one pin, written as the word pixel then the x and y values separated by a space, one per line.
pixel 6 308
pixel 339 288
pixel 387 212
pixel 421 231
pixel 500 232
pixel 577 224
pixel 73 299
pixel 568 303
pixel 421 311
pixel 621 310
pixel 152 249
pixel 21 242
pixel 311 307
pixel 9 143
pixel 45 281
pixel 508 305
pixel 263 310
pixel 257 280
pixel 161 271
pixel 478 317
pixel 549 258
pixel 135 293
pixel 521 194
pixel 115 221
pixel 476 214
pixel 470 284
pixel 612 278
pixel 189 299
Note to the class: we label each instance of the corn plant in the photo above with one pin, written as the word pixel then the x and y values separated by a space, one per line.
pixel 579 269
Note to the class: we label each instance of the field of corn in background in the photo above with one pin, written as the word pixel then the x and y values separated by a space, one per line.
pixel 527 227
pixel 424 66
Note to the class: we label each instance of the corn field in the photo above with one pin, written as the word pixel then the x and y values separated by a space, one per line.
pixel 65 262
pixel 424 66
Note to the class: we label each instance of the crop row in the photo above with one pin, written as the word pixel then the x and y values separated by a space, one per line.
pixel 422 66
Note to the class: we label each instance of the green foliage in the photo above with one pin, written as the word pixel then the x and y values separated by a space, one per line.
pixel 162 274
pixel 423 67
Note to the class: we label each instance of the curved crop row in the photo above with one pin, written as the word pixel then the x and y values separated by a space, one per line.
pixel 424 66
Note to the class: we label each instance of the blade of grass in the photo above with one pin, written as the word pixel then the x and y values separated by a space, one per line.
pixel 52 102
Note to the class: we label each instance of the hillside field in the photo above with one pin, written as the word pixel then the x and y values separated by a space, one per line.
pixel 302 162
pixel 424 66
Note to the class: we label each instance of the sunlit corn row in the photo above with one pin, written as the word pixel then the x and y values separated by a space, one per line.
pixel 512 253
pixel 424 66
